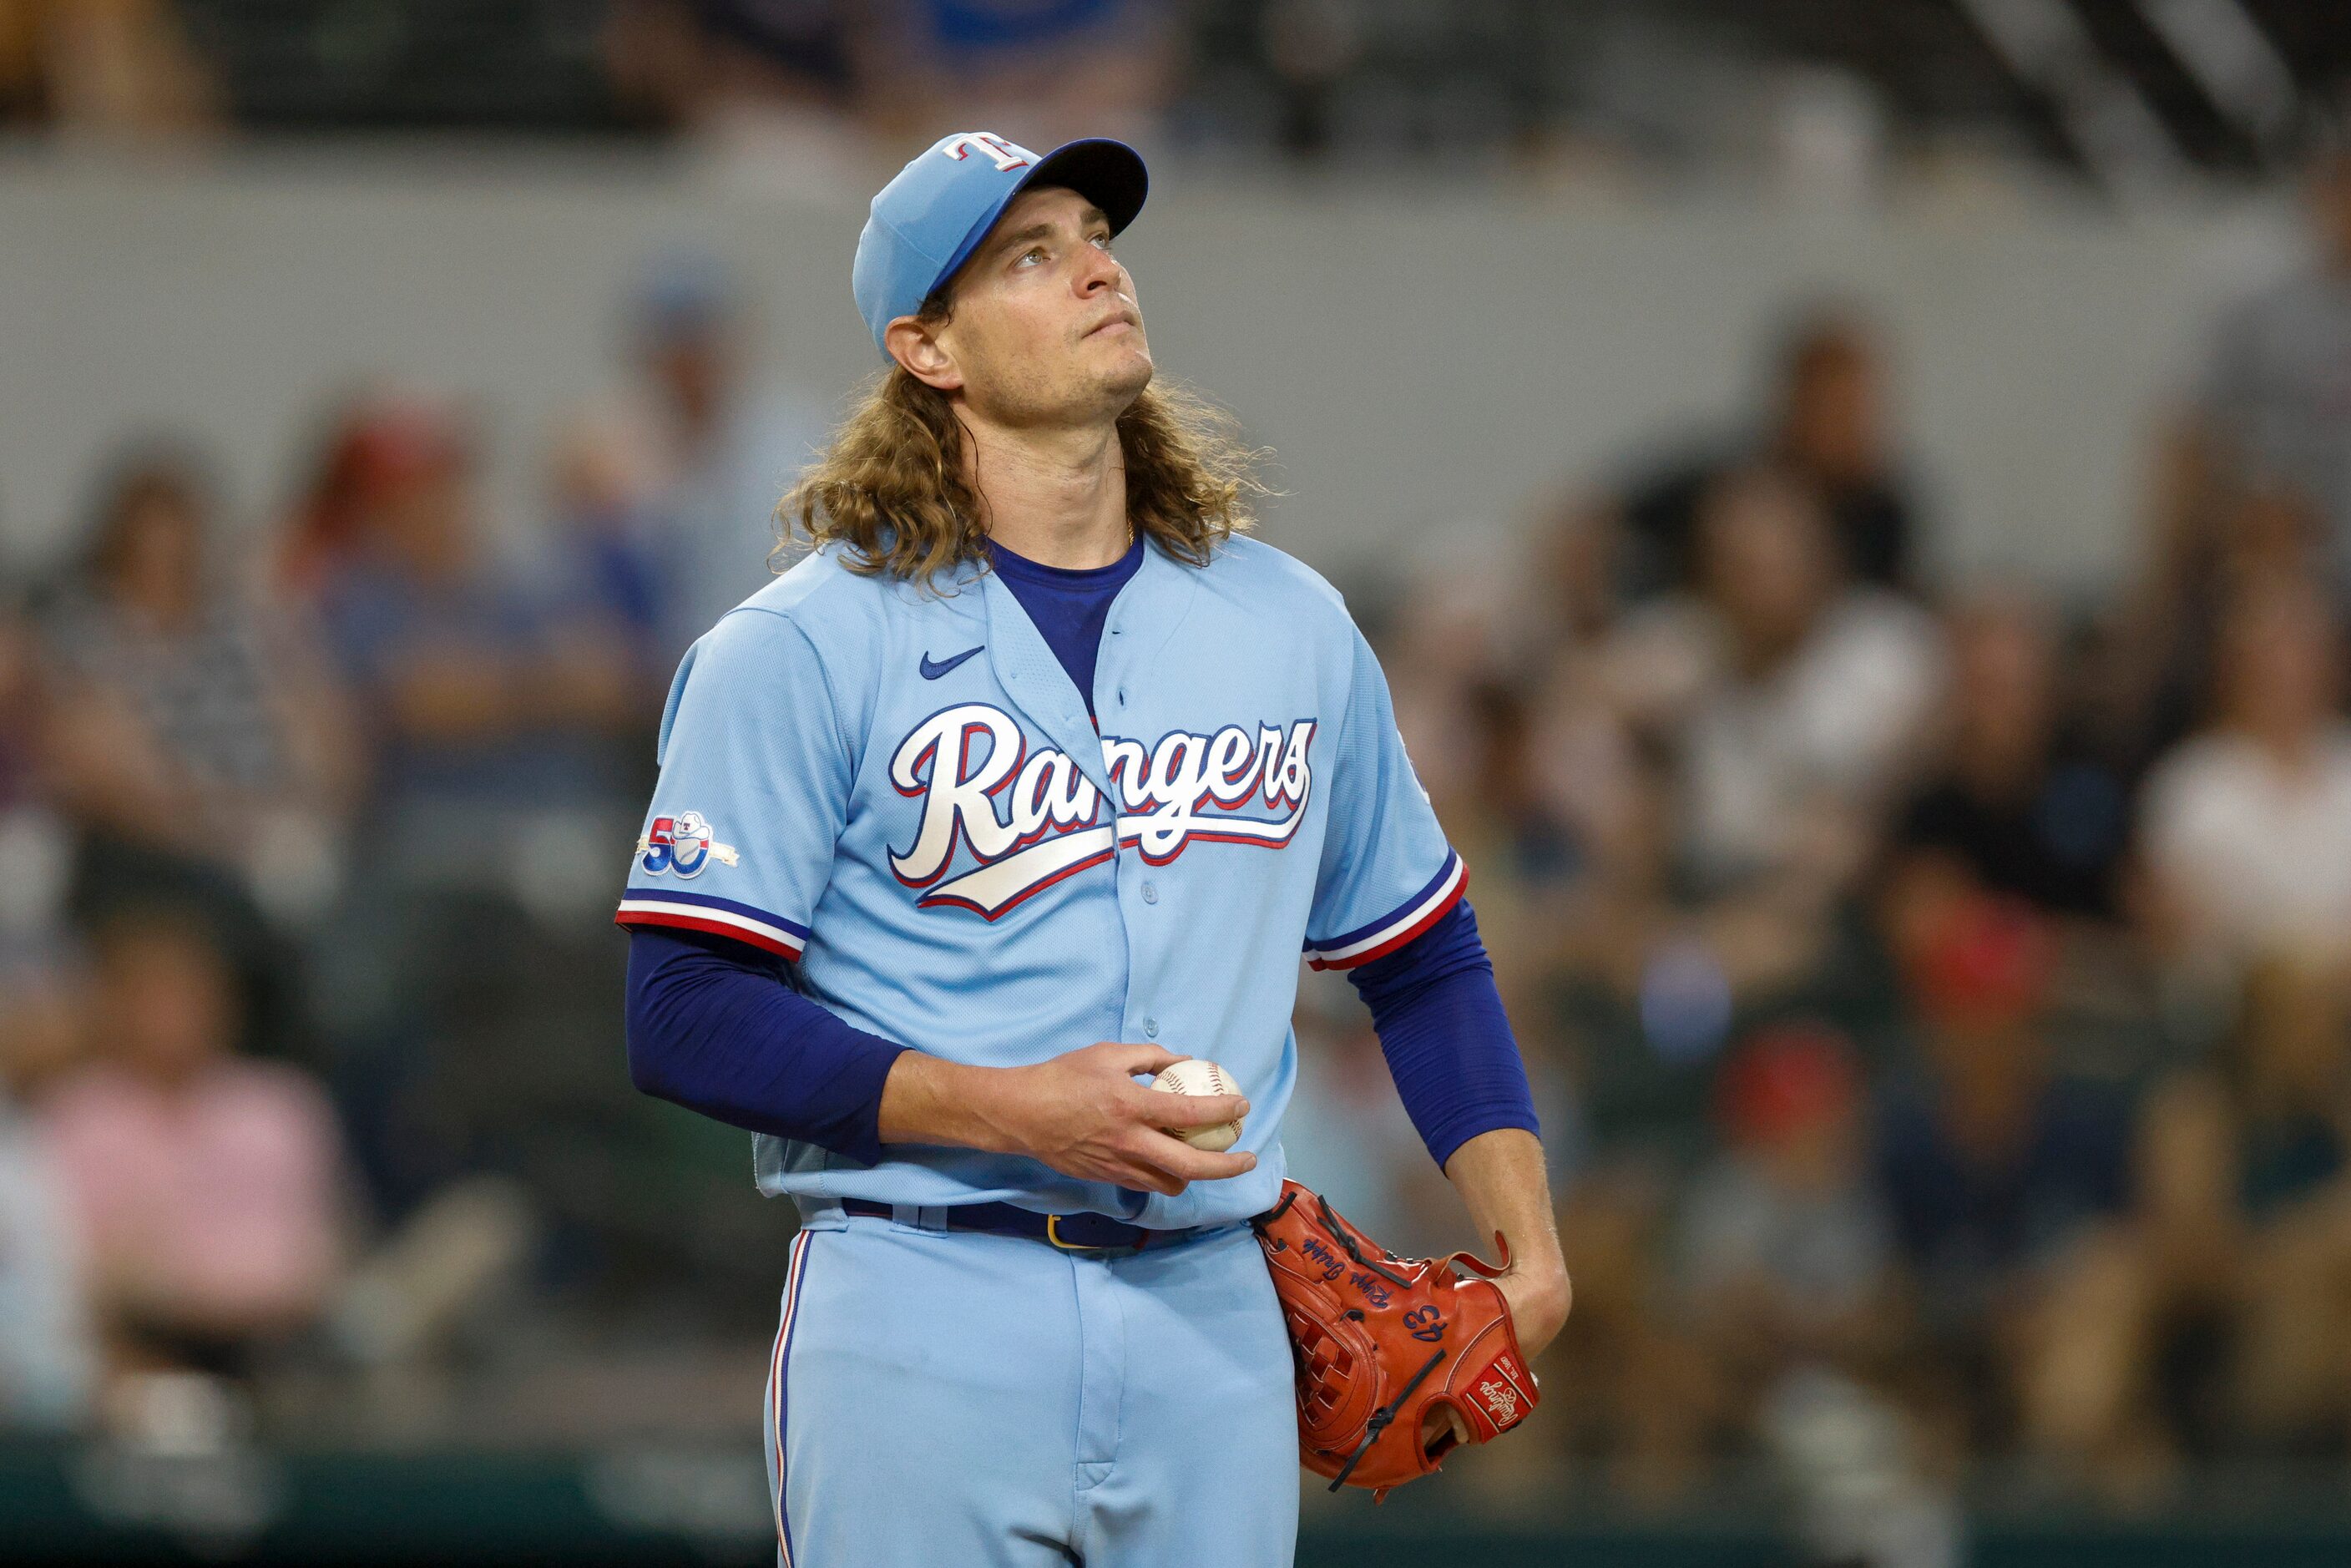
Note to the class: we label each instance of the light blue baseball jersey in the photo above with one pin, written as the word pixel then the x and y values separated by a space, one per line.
pixel 897 786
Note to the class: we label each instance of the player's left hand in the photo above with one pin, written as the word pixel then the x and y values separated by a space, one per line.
pixel 1539 1297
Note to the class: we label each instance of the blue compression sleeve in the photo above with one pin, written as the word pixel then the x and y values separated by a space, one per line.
pixel 1448 1045
pixel 715 1027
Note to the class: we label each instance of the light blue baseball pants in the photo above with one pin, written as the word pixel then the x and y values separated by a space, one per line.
pixel 967 1400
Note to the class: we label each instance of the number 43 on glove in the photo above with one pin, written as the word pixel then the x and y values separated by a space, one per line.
pixel 1399 1359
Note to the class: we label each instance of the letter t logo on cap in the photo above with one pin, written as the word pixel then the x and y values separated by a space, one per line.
pixel 1009 155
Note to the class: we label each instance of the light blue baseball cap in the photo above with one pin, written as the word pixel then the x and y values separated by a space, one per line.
pixel 928 221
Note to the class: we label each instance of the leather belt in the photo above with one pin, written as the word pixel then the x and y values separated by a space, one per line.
pixel 1069 1232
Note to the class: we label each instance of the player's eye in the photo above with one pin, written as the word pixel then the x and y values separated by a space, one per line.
pixel 1034 253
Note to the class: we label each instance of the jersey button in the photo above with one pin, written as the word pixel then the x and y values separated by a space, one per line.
pixel 1150 893
pixel 1151 1027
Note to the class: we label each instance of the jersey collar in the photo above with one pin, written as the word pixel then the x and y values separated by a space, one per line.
pixel 1032 677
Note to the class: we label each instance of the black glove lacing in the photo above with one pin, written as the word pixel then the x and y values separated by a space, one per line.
pixel 1380 1420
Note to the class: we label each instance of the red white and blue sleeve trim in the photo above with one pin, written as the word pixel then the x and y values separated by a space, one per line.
pixel 1400 925
pixel 719 917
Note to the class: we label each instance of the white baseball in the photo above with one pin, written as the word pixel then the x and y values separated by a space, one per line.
pixel 1195 1076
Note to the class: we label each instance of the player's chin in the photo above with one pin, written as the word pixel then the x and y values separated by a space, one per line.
pixel 1126 368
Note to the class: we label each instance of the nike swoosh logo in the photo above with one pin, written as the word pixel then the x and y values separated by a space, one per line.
pixel 933 668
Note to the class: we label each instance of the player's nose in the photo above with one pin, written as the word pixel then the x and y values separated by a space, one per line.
pixel 1100 272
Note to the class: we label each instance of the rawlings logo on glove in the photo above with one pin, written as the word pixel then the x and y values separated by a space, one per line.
pixel 1399 1359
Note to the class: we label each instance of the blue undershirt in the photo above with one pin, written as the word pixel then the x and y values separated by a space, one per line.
pixel 715 1026
pixel 1068 605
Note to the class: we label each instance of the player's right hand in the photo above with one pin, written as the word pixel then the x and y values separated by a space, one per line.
pixel 1083 1114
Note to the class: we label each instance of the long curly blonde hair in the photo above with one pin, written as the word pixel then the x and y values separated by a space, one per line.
pixel 895 487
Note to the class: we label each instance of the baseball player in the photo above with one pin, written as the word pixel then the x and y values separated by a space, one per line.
pixel 1033 776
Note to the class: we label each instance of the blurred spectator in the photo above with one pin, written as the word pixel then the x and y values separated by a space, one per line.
pixel 1471 620
pixel 2153 671
pixel 495 722
pixel 1727 753
pixel 2247 827
pixel 21 779
pixel 36 848
pixel 204 1187
pixel 1794 709
pixel 45 1352
pixel 1779 1262
pixel 1649 1398
pixel 609 579
pixel 610 566
pixel 2006 1180
pixel 1580 546
pixel 478 706
pixel 189 723
pixel 46 1361
pixel 2293 1089
pixel 1828 427
pixel 1785 1246
pixel 685 59
pixel 2275 398
pixel 722 453
pixel 111 67
pixel 372 447
pixel 2246 1303
pixel 1804 701
pixel 1555 797
pixel 1048 70
pixel 2013 808
pixel 770 87
pixel 1506 823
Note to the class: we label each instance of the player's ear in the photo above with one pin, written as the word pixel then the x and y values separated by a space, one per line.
pixel 916 346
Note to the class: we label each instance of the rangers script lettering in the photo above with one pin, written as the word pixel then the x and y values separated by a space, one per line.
pixel 1030 818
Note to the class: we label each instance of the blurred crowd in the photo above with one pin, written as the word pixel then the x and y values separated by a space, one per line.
pixel 818 75
pixel 799 92
pixel 310 828
pixel 1938 993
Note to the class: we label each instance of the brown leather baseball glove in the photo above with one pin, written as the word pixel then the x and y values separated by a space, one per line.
pixel 1399 1359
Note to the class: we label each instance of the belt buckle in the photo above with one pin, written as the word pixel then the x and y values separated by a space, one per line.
pixel 1053 1235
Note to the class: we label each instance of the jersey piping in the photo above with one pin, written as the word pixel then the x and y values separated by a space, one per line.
pixel 1396 927
pixel 719 917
